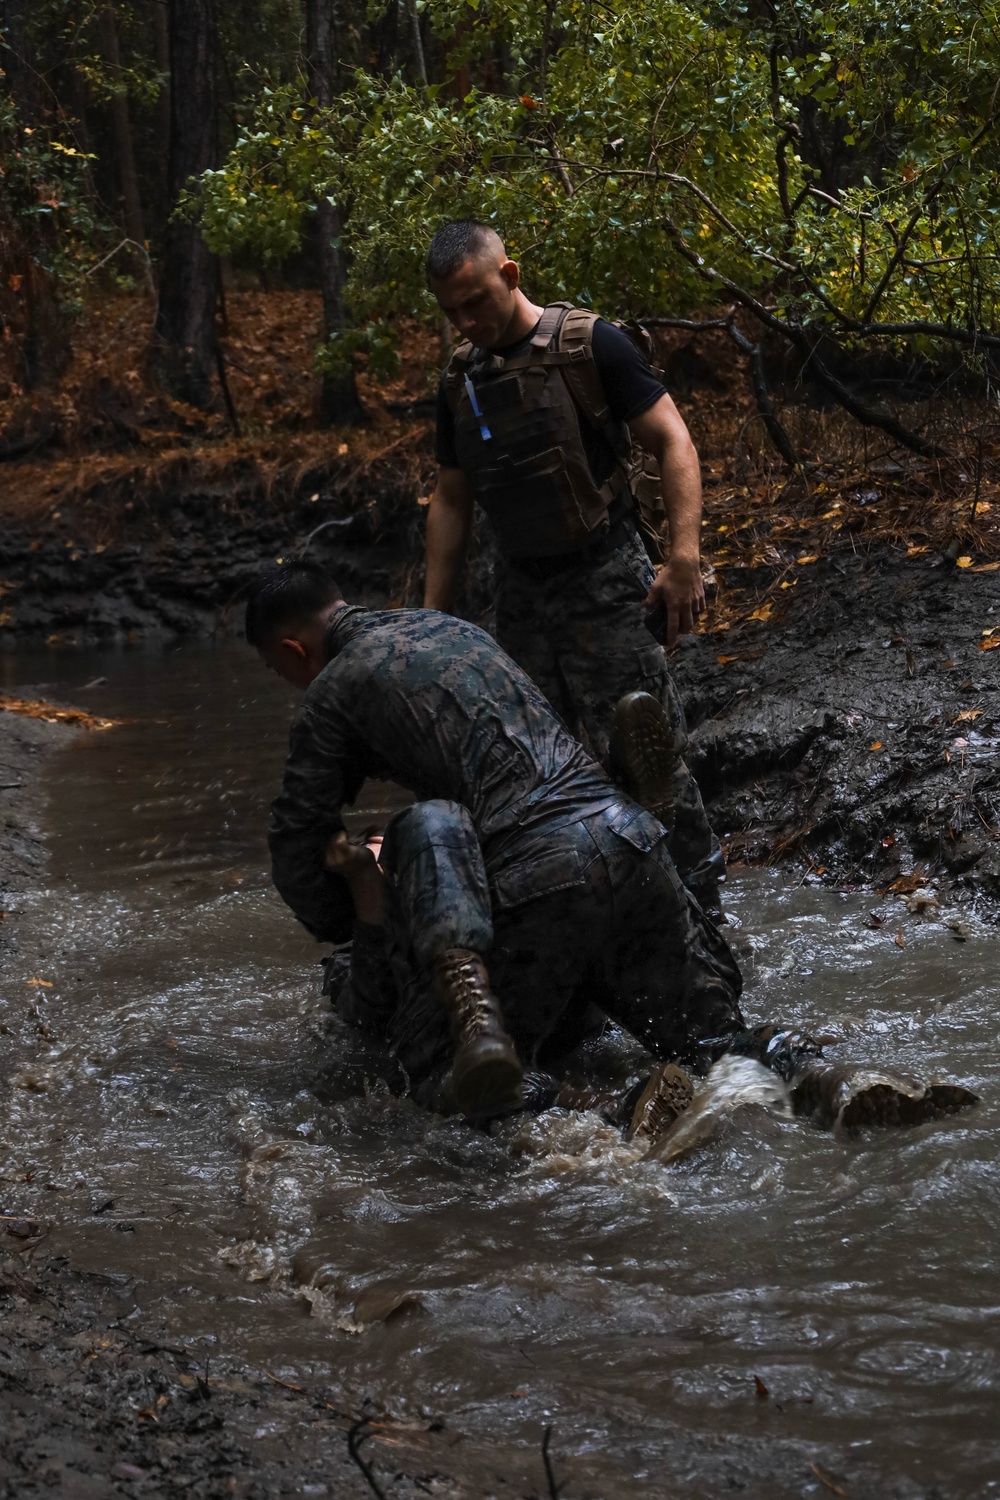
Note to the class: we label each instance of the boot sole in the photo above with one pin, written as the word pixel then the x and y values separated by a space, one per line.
pixel 666 1096
pixel 642 745
pixel 489 1086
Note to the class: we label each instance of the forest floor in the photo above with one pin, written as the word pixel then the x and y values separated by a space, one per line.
pixel 842 693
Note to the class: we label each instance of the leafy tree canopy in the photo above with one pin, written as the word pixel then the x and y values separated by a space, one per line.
pixel 834 168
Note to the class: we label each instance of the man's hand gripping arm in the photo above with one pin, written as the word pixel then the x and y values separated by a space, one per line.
pixel 661 431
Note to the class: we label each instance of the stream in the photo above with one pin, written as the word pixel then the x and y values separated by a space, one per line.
pixel 187 1112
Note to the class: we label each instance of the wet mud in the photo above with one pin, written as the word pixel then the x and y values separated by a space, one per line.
pixel 858 737
pixel 207 1186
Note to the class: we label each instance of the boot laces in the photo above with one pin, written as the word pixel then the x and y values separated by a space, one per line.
pixel 475 1006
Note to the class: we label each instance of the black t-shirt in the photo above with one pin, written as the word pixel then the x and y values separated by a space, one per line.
pixel 629 385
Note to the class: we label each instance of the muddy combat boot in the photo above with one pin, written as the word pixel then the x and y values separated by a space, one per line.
pixel 486 1073
pixel 850 1096
pixel 644 1111
pixel 643 751
pixel 668 1092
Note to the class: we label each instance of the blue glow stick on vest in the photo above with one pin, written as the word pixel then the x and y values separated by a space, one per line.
pixel 484 431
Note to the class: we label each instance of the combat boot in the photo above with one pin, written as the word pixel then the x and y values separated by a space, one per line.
pixel 486 1073
pixel 644 1111
pixel 668 1092
pixel 643 750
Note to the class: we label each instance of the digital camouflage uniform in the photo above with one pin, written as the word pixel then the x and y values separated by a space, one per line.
pixel 580 635
pixel 572 573
pixel 518 847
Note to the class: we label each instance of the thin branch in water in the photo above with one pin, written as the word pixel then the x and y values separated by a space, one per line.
pixel 355 1438
pixel 550 1474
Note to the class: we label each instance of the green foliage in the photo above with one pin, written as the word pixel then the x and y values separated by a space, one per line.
pixel 834 166
pixel 48 230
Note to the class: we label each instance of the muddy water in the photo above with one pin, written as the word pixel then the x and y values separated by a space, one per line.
pixel 186 1112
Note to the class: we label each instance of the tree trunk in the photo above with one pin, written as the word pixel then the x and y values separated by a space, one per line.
pixel 184 338
pixel 131 201
pixel 339 402
pixel 161 56
pixel 29 247
pixel 16 60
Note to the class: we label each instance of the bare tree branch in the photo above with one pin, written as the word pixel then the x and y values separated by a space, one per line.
pixel 775 431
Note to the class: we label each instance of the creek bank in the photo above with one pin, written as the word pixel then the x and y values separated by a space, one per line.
pixel 859 733
pixel 23 745
pixel 96 1400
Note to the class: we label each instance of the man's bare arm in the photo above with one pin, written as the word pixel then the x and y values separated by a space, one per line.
pixel 661 431
pixel 449 521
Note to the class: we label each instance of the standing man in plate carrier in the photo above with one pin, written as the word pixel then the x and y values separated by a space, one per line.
pixel 536 415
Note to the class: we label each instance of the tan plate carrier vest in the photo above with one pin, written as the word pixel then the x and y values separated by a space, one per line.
pixel 518 439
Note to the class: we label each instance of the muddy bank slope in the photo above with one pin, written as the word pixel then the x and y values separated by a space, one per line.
pixel 856 729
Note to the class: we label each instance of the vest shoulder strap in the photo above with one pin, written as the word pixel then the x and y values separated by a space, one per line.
pixel 576 338
pixel 550 324
pixel 461 356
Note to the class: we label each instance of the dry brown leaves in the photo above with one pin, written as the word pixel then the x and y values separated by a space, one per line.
pixel 117 442
pixel 37 708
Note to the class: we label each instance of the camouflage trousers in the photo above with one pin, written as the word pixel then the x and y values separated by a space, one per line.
pixel 588 913
pixel 579 635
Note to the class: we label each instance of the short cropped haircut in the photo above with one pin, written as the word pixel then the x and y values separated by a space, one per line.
pixel 454 244
pixel 286 595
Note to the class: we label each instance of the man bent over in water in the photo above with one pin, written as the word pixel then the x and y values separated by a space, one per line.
pixel 519 853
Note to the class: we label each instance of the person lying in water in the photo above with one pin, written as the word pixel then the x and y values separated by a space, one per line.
pixel 521 887
pixel 519 853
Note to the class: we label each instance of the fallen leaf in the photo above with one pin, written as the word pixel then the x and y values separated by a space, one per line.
pixel 876 745
pixel 763 612
pixel 993 567
pixel 875 921
pixel 810 557
pixel 45 984
pixel 967 716
pixel 789 583
pixel 990 645
pixel 760 1388
pixel 825 1479
pixel 916 551
pixel 905 885
pixel 963 562
pixel 899 939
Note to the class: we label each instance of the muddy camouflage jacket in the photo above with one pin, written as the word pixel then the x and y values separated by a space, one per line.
pixel 433 704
